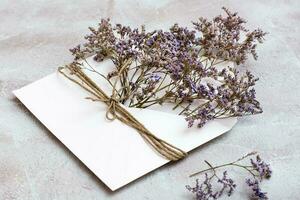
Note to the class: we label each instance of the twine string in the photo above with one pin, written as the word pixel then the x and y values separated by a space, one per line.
pixel 116 111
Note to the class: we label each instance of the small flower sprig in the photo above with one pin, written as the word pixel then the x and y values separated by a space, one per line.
pixel 179 66
pixel 257 168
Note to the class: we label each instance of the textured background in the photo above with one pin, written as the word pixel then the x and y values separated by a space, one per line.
pixel 34 39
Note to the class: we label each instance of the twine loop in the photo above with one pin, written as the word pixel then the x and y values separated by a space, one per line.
pixel 111 109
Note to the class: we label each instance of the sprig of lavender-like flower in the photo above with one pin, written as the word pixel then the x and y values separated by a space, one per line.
pixel 208 189
pixel 179 66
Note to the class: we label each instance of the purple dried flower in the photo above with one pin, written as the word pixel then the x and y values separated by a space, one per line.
pixel 204 190
pixel 190 122
pixel 221 37
pixel 155 78
pixel 228 185
pixel 204 115
pixel 261 167
pixel 255 187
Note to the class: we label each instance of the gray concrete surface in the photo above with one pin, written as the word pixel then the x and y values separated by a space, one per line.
pixel 34 39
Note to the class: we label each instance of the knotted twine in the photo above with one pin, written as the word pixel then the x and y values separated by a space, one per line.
pixel 116 111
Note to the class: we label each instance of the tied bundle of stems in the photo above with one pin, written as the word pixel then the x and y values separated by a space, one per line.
pixel 180 66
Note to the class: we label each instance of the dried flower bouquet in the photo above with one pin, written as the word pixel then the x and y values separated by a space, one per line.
pixel 178 66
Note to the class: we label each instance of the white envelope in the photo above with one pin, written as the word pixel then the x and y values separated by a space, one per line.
pixel 114 152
